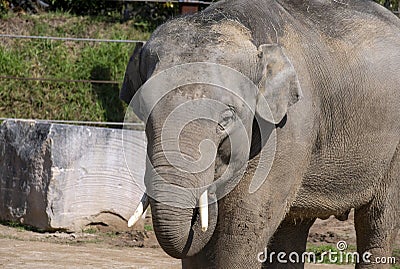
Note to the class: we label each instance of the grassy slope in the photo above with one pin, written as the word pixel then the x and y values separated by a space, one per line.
pixel 67 60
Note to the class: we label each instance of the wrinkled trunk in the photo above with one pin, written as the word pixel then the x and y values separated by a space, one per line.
pixel 178 230
pixel 175 192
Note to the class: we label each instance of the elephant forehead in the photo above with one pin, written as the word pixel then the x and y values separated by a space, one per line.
pixel 188 33
pixel 225 42
pixel 200 109
pixel 216 92
pixel 216 75
pixel 233 33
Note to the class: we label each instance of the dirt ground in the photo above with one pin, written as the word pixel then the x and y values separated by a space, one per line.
pixel 99 248
pixel 20 249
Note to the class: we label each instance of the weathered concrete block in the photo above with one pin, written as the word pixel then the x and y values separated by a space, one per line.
pixel 56 176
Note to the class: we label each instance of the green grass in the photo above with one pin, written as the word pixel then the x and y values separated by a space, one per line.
pixel 396 254
pixel 64 60
pixel 112 234
pixel 90 230
pixel 321 253
pixel 15 225
pixel 19 226
pixel 148 227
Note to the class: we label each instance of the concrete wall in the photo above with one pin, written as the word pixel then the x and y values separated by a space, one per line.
pixel 56 176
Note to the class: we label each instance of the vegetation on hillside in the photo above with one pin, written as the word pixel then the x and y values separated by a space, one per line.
pixel 392 5
pixel 64 60
pixel 146 15
pixel 148 11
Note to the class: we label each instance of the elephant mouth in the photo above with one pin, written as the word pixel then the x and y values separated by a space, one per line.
pixel 181 232
pixel 201 211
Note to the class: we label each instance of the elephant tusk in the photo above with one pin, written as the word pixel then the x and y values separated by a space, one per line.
pixel 203 205
pixel 143 205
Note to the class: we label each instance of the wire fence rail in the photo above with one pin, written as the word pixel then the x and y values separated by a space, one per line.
pixel 130 125
pixel 61 80
pixel 77 39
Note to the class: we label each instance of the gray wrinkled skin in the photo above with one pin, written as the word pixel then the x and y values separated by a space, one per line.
pixel 329 71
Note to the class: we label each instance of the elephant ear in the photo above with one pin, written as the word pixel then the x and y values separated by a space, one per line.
pixel 132 79
pixel 279 86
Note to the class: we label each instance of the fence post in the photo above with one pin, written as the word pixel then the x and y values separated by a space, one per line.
pixel 186 7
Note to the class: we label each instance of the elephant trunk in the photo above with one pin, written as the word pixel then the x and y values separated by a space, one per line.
pixel 179 231
pixel 175 191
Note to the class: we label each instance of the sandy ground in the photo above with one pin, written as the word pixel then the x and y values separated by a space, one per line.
pixel 20 249
pixel 16 254
pixel 22 254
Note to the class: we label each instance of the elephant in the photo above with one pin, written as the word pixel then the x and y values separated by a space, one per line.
pixel 263 115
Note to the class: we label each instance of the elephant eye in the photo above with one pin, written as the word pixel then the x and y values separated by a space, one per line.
pixel 227 117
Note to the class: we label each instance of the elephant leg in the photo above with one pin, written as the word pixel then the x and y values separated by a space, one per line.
pixel 376 232
pixel 291 237
pixel 203 260
pixel 192 263
pixel 377 223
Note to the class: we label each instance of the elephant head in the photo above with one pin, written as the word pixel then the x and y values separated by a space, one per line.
pixel 199 87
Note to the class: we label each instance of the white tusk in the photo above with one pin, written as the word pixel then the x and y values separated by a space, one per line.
pixel 143 205
pixel 203 204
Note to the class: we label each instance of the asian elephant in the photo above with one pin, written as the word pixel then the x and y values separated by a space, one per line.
pixel 263 115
